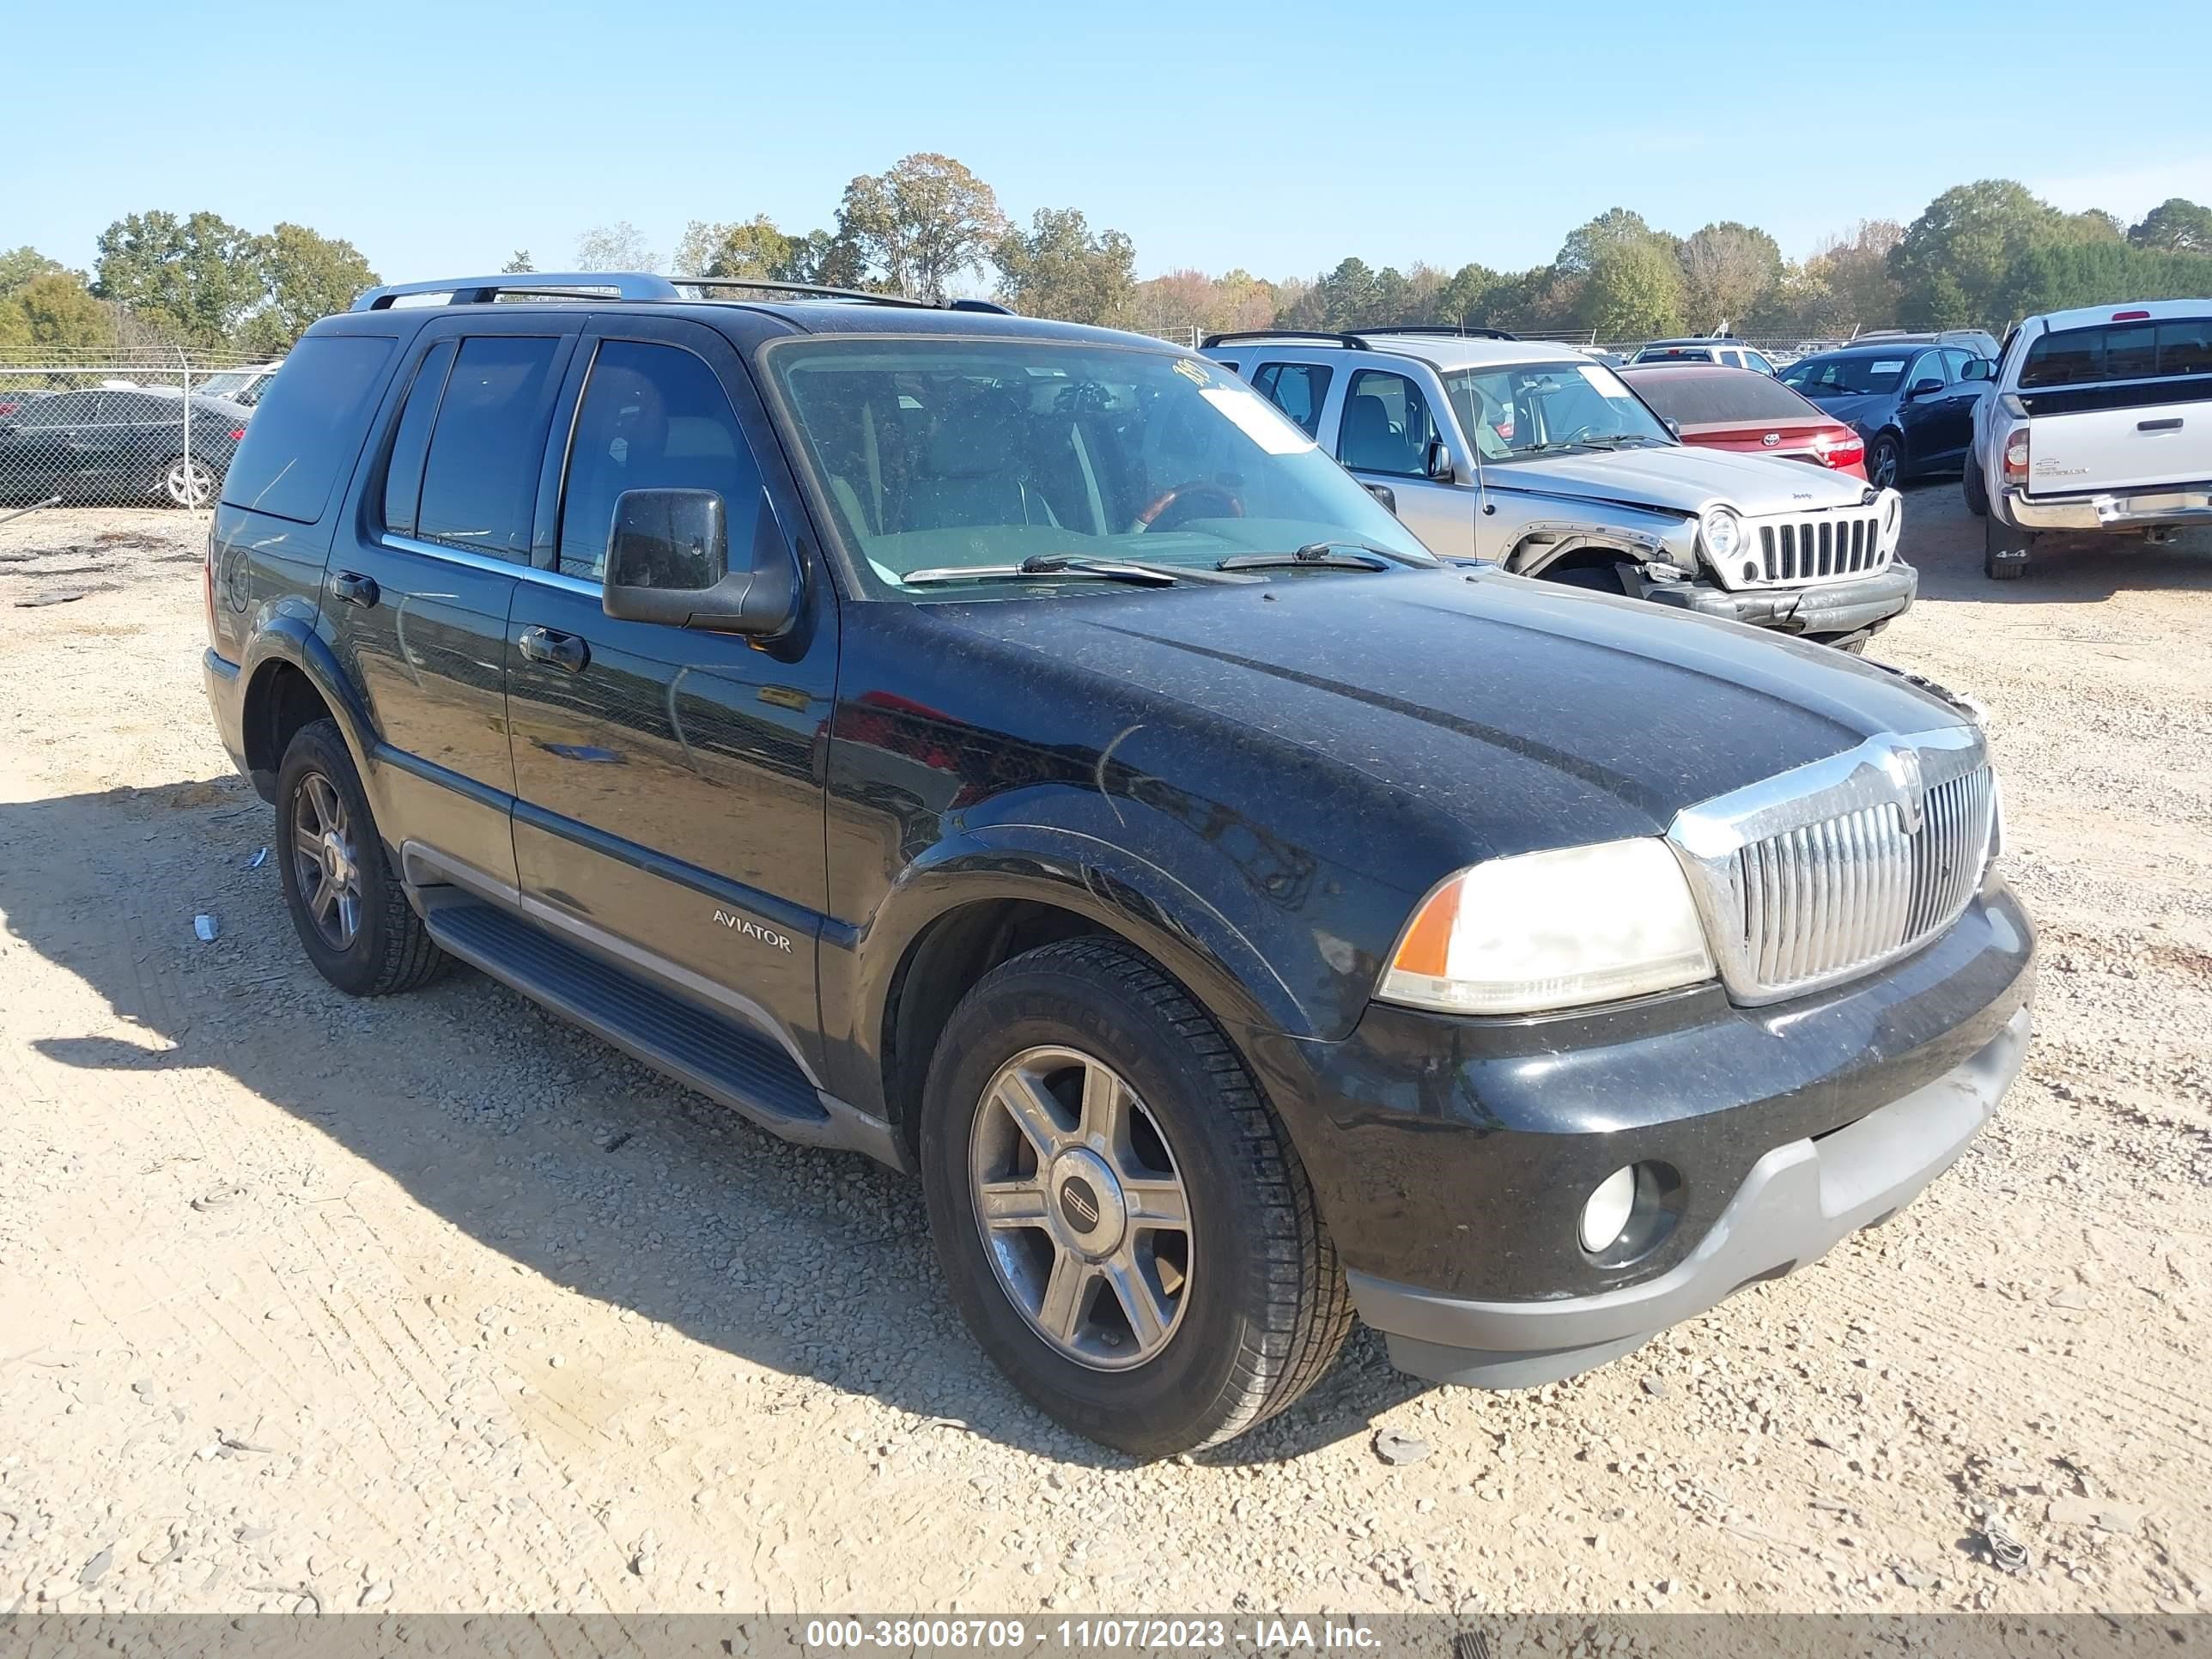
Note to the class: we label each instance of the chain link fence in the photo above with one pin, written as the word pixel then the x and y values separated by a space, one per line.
pixel 151 428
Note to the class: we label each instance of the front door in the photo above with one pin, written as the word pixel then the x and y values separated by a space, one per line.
pixel 418 585
pixel 667 780
pixel 1383 429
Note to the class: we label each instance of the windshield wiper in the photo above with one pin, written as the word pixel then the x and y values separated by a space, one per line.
pixel 1061 564
pixel 1323 555
pixel 1612 440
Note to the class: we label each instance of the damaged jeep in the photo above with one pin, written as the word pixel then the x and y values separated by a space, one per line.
pixel 1536 457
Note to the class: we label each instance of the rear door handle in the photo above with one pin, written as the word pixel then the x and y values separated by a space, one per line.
pixel 548 645
pixel 2173 425
pixel 354 588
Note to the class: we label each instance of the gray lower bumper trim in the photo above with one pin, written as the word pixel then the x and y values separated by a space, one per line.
pixel 1834 608
pixel 1797 1202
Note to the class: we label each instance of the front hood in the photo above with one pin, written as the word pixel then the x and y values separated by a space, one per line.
pixel 1858 408
pixel 1681 478
pixel 1531 715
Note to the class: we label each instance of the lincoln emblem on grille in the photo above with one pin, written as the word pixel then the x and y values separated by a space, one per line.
pixel 1903 766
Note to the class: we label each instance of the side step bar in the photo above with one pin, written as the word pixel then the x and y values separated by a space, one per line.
pixel 719 1058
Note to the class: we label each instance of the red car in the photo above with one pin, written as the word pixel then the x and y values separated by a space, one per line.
pixel 1751 413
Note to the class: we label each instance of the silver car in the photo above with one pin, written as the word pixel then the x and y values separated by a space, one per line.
pixel 1532 456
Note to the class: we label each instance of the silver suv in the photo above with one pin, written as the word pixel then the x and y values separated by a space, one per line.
pixel 1532 456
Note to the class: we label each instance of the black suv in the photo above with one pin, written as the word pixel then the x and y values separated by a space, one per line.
pixel 1014 751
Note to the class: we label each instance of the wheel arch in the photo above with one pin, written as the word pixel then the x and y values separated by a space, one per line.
pixel 292 677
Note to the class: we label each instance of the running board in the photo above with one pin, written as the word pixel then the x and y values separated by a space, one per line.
pixel 719 1058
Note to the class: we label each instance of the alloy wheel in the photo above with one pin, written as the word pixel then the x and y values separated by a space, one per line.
pixel 1884 470
pixel 325 862
pixel 187 484
pixel 1082 1208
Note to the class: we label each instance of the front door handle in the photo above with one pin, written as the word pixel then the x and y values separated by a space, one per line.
pixel 2171 425
pixel 548 645
pixel 354 588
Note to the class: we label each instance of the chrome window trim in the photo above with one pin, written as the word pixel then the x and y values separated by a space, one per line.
pixel 461 556
pixel 1888 770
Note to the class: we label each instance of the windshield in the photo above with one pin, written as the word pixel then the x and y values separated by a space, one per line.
pixel 939 457
pixel 1528 409
pixel 1846 377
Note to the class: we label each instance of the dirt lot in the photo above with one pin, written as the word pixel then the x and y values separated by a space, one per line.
pixel 436 1304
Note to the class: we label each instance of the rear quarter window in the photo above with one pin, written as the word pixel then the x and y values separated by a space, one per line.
pixel 309 427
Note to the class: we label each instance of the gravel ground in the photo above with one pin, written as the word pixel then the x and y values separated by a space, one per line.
pixel 436 1304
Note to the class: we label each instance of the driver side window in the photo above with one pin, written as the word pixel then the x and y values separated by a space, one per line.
pixel 1386 426
pixel 1930 366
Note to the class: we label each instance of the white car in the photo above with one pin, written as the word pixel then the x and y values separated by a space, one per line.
pixel 2099 419
pixel 238 386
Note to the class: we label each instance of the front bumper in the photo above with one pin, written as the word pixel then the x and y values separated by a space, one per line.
pixel 1830 609
pixel 1797 1202
pixel 1451 1156
pixel 2147 509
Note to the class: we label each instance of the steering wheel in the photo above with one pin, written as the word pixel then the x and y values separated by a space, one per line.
pixel 1189 501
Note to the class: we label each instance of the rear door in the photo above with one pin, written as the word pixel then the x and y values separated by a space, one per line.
pixel 420 582
pixel 2119 406
pixel 669 805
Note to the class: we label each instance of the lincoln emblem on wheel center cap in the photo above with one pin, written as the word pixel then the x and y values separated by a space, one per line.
pixel 1078 1203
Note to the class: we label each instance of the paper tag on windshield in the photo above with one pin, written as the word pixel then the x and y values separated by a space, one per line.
pixel 1601 381
pixel 1257 419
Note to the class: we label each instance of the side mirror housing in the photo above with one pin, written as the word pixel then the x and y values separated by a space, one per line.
pixel 1383 493
pixel 1924 388
pixel 1437 463
pixel 668 561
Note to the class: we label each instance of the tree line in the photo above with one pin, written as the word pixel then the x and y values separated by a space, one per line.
pixel 1982 254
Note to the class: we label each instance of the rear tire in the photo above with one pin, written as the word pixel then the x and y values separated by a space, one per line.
pixel 1244 1304
pixel 1978 488
pixel 2006 550
pixel 346 901
pixel 186 483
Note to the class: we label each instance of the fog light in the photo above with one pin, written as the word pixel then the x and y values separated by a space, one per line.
pixel 1607 1213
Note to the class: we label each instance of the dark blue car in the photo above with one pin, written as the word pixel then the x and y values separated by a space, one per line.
pixel 1913 403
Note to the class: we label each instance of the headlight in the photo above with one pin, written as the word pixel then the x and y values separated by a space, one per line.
pixel 1722 530
pixel 1552 930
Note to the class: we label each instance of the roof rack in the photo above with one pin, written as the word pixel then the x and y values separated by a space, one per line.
pixel 1239 336
pixel 635 286
pixel 1455 331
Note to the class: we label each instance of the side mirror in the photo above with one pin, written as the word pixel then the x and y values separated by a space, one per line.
pixel 1382 493
pixel 1674 426
pixel 1978 369
pixel 1923 388
pixel 668 561
pixel 1437 463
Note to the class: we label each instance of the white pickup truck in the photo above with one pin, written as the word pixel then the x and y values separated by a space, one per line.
pixel 2099 419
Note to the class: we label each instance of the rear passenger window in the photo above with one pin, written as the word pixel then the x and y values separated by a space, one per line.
pixel 307 431
pixel 652 417
pixel 1297 389
pixel 2119 351
pixel 402 479
pixel 2185 347
pixel 480 481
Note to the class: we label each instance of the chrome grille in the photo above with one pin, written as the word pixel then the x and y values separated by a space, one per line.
pixel 1832 870
pixel 1824 549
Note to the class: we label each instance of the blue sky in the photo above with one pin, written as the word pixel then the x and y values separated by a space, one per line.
pixel 1280 138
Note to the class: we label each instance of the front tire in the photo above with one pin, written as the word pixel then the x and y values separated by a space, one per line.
pixel 346 903
pixel 1886 462
pixel 1122 1221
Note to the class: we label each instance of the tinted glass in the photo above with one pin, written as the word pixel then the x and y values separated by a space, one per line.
pixel 480 482
pixel 2119 351
pixel 1707 399
pixel 652 417
pixel 403 477
pixel 308 428
pixel 945 455
pixel 1297 389
pixel 1386 426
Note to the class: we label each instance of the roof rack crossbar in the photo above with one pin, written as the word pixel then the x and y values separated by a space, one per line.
pixel 1238 336
pixel 477 290
pixel 1454 330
